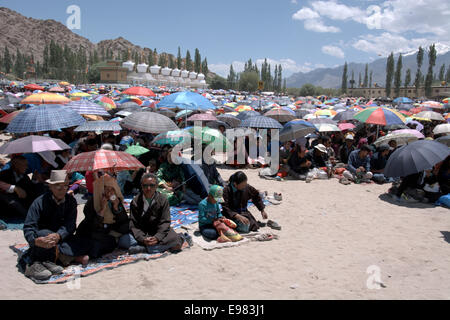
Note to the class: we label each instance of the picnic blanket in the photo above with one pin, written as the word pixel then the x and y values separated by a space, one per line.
pixel 12 223
pixel 107 262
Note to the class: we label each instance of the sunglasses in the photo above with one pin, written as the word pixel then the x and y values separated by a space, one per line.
pixel 145 186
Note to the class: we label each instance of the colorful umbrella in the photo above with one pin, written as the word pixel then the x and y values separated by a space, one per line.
pixel 432 104
pixel 57 89
pixel 136 150
pixel 243 108
pixel 186 100
pixel 103 160
pixel 80 95
pixel 33 144
pixel 446 100
pixel 45 118
pixel 33 87
pixel 9 117
pixel 106 102
pixel 210 136
pixel 45 98
pixel 325 113
pixel 139 91
pixel 380 116
pixel 172 138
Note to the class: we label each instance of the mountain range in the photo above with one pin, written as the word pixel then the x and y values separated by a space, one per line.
pixel 332 77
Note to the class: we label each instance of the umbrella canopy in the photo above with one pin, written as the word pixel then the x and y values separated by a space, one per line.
pixel 136 150
pixel 33 87
pixel 106 102
pixel 33 144
pixel 345 116
pixel 129 104
pixel 247 114
pixel 401 137
pixel 9 117
pixel 430 115
pixel 380 116
pixel 149 122
pixel 413 132
pixel 300 113
pixel 98 126
pixel 167 113
pixel 444 140
pixel 124 113
pixel 80 95
pixel 57 89
pixel 322 121
pixel 442 129
pixel 281 115
pixel 210 136
pixel 88 107
pixel 415 157
pixel 346 126
pixel 202 117
pixel 186 100
pixel 296 129
pixel 326 127
pixel 261 122
pixel 233 121
pixel 103 160
pixel 9 99
pixel 325 113
pixel 45 118
pixel 243 108
pixel 139 91
pixel 172 138
pixel 45 98
pixel 432 104
pixel 402 100
pixel 183 114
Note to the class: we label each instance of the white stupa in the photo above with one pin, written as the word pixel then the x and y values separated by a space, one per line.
pixel 129 65
pixel 142 68
pixel 155 69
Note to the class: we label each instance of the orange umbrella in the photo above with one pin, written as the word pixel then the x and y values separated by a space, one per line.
pixel 57 89
pixel 45 98
pixel 33 87
pixel 139 91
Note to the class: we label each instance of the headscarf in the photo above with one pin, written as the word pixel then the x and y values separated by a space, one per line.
pixel 99 189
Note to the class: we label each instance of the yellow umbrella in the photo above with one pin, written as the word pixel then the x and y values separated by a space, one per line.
pixel 92 117
pixel 420 119
pixel 45 98
pixel 64 83
pixel 80 94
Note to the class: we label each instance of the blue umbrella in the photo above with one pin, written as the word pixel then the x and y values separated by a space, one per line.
pixel 88 107
pixel 261 122
pixel 403 100
pixel 296 129
pixel 186 100
pixel 415 157
pixel 45 118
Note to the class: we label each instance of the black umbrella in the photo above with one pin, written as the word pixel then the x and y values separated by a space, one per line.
pixel 444 140
pixel 247 114
pixel 345 115
pixel 9 99
pixel 415 157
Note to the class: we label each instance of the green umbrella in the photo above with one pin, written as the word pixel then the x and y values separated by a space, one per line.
pixel 211 136
pixel 136 150
pixel 171 138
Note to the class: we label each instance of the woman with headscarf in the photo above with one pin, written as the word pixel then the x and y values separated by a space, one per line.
pixel 106 223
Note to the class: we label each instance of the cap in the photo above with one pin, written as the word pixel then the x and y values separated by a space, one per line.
pixel 217 193
pixel 321 148
pixel 349 137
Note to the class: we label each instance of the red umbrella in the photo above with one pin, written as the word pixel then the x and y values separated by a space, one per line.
pixel 103 160
pixel 346 126
pixel 8 118
pixel 139 91
pixel 57 89
pixel 33 87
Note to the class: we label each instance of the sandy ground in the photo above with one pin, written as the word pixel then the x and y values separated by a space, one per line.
pixel 331 235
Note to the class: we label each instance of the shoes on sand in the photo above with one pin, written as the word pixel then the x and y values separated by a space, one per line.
pixel 38 271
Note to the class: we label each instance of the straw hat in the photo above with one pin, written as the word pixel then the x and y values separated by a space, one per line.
pixel 57 176
pixel 321 148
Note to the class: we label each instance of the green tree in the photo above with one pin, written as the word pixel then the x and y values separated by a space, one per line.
pixel 284 86
pixel 442 73
pixel 275 79
pixel 205 69
pixel 231 80
pixel 172 64
pixel 188 63
pixel 431 64
pixel 419 60
pixel 308 89
pixel 352 80
pixel 344 79
pixel 197 61
pixel 218 83
pixel 408 78
pixel 360 80
pixel 179 59
pixel 389 73
pixel 366 76
pixel 398 75
pixel 447 75
pixel 280 78
pixel 150 59
pixel 248 81
pixel 370 79
pixel 19 65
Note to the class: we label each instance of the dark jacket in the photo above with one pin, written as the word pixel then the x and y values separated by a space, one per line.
pixel 295 163
pixel 7 176
pixel 212 174
pixel 344 152
pixel 318 161
pixel 150 221
pixel 354 162
pixel 45 214
pixel 93 225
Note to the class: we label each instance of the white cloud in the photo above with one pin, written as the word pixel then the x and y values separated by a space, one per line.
pixel 304 14
pixel 294 1
pixel 333 51
pixel 317 25
pixel 336 11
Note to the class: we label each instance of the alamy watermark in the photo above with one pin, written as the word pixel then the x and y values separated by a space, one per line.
pixel 374 280
pixel 74 20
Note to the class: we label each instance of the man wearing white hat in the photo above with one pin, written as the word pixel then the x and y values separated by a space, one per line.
pixel 50 221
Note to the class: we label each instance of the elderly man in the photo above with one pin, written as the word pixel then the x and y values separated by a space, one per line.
pixel 150 221
pixel 378 163
pixel 51 220
pixel 359 165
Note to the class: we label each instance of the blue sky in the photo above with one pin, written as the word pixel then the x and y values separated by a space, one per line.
pixel 301 35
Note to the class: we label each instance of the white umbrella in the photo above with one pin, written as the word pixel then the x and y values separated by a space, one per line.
pixel 430 115
pixel 442 128
pixel 327 127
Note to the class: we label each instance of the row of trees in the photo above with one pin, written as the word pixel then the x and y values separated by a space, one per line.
pixel 249 79
pixel 394 74
pixel 79 66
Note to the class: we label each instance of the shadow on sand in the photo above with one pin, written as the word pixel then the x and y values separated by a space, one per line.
pixel 387 198
pixel 446 235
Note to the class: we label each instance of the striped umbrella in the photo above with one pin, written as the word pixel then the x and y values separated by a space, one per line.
pixel 136 100
pixel 106 102
pixel 149 122
pixel 45 118
pixel 281 115
pixel 380 116
pixel 88 107
pixel 172 138
pixel 325 113
pixel 99 126
pixel 103 160
pixel 45 98
pixel 261 122
pixel 80 95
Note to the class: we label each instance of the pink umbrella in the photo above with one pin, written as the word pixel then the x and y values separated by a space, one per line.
pixel 202 117
pixel 346 126
pixel 418 134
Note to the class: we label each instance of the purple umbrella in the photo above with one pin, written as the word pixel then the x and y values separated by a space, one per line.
pixel 33 144
pixel 419 126
pixel 418 134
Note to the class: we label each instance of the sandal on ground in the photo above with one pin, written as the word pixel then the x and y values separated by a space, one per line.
pixel 278 196
pixel 273 225
pixel 264 237
pixel 345 181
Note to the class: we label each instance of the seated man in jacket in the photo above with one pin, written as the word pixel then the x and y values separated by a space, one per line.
pixel 50 222
pixel 16 189
pixel 358 168
pixel 299 164
pixel 378 163
pixel 150 220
